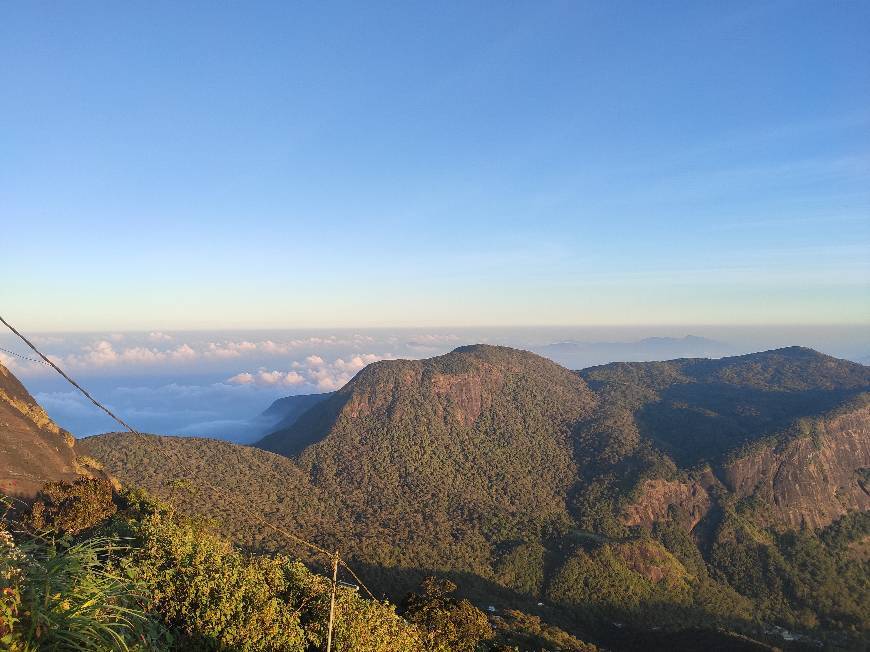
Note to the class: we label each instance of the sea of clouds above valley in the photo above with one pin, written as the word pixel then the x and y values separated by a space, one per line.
pixel 198 383
pixel 216 384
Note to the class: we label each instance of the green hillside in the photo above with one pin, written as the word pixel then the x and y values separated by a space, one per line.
pixel 633 493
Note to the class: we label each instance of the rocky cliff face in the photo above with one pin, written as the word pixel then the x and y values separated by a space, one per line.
pixel 33 449
pixel 814 477
pixel 664 499
pixel 473 445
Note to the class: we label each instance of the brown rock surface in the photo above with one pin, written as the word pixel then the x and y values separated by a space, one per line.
pixel 659 496
pixel 813 478
pixel 33 449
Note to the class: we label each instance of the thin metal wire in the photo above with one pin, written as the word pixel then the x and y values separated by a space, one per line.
pixel 356 577
pixel 23 357
pixel 70 380
pixel 225 495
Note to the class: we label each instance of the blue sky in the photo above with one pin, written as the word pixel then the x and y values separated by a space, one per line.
pixel 243 165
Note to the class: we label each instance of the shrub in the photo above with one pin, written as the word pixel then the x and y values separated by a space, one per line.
pixel 72 507
pixel 452 624
pixel 218 598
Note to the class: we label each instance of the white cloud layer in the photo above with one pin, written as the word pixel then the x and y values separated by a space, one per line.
pixel 111 352
pixel 314 373
pixel 103 353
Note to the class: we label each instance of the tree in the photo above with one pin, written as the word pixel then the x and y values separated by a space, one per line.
pixel 452 624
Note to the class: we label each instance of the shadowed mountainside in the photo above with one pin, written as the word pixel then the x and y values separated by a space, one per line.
pixel 284 412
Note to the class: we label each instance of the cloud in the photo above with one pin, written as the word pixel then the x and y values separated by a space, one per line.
pixel 8 361
pixel 183 352
pixel 329 381
pixel 102 353
pixel 272 347
pixel 287 347
pixel 356 363
pixel 99 353
pixel 264 377
pixel 22 367
pixel 314 373
pixel 157 336
pixel 230 349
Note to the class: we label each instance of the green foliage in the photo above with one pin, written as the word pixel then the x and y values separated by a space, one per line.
pixel 803 579
pixel 503 469
pixel 217 598
pixel 60 595
pixel 521 567
pixel 175 585
pixel 209 592
pixel 697 410
pixel 455 625
pixel 72 507
pixel 597 507
pixel 444 463
pixel 616 579
pixel 516 630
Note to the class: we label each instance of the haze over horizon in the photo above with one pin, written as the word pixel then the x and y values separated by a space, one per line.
pixel 215 383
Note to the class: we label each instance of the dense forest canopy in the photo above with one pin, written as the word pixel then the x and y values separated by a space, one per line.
pixel 635 493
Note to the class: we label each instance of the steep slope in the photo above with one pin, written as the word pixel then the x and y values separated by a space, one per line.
pixel 284 412
pixel 814 476
pixel 473 446
pixel 198 474
pixel 789 427
pixel 33 449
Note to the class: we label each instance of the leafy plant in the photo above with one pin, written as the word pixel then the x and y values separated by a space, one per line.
pixel 59 595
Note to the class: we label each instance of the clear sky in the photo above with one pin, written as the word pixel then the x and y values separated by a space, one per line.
pixel 289 164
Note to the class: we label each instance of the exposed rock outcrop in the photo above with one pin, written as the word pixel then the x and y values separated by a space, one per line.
pixel 33 449
pixel 659 498
pixel 814 477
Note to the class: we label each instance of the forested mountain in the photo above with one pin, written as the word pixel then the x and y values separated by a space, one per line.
pixel 474 446
pixel 88 565
pixel 722 494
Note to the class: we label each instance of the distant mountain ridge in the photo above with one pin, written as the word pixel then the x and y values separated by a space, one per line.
pixel 743 417
pixel 577 355
pixel 285 411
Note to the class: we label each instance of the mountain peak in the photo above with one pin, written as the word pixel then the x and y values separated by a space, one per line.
pixel 459 387
pixel 796 351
